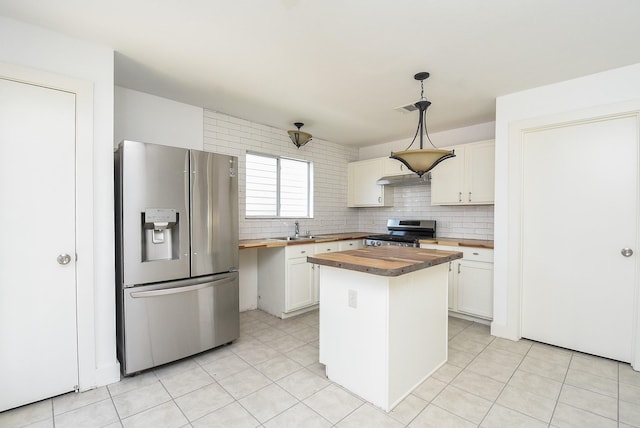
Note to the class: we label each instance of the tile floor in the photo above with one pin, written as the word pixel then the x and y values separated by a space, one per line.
pixel 271 377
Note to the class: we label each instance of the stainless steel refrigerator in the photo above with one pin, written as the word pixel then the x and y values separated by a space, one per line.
pixel 176 253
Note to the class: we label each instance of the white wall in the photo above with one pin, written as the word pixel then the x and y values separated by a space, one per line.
pixel 614 86
pixel 34 47
pixel 151 119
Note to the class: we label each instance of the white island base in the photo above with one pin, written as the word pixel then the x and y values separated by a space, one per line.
pixel 382 336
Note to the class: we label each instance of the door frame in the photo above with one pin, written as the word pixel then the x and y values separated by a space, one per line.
pixel 517 131
pixel 85 305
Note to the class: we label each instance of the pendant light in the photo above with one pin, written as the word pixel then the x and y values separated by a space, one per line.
pixel 299 138
pixel 422 160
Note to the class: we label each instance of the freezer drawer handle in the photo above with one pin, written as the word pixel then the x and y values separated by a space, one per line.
pixel 153 293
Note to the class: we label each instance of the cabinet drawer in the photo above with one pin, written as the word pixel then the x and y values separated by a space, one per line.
pixel 326 247
pixel 293 251
pixel 477 254
pixel 352 244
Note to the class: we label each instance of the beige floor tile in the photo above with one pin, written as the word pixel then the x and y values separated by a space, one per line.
pixel 93 415
pixel 520 347
pixel 478 384
pixel 303 383
pixel 205 400
pixel 298 416
pixel 368 416
pixel 166 415
pixel 227 366
pixel 429 389
pixel 460 358
pixel 270 334
pixel 213 355
pixel 130 383
pixel 527 403
pixel 536 384
pixel 628 375
pixel 499 417
pixel 568 416
pixel 286 344
pixel 333 403
pixel 244 383
pixel 464 344
pixel 543 368
pixel 304 355
pixel 29 414
pixel 436 417
pixel 408 409
pixel 268 402
pixel 447 373
pixel 552 354
pixel 630 413
pixel 494 370
pixel 590 401
pixel 307 334
pixel 255 353
pixel 595 365
pixel 630 393
pixel 75 400
pixel 233 415
pixel 278 367
pixel 174 368
pixel 592 382
pixel 464 404
pixel 140 399
pixel 187 381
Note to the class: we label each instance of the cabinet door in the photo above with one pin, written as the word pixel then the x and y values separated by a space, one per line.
pixel 363 190
pixel 475 288
pixel 299 284
pixel 447 180
pixel 480 171
pixel 392 167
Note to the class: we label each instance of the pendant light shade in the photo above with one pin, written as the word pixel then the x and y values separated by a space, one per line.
pixel 298 137
pixel 422 160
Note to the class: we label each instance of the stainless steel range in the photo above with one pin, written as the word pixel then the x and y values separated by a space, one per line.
pixel 404 233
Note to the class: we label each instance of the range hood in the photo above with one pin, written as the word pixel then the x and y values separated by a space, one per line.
pixel 405 180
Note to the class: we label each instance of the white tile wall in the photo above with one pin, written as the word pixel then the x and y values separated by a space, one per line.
pixel 234 136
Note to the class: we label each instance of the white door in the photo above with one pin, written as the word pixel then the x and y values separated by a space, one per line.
pixel 580 196
pixel 38 335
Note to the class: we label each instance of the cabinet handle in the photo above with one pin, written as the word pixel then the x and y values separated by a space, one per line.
pixel 459 196
pixel 450 266
pixel 469 196
pixel 302 252
pixel 459 267
pixel 379 198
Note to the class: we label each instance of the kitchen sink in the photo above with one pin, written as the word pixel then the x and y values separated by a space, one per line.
pixel 299 238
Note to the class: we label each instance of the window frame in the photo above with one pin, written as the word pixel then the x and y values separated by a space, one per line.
pixel 309 189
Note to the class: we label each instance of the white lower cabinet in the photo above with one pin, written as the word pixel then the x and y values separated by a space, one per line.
pixel 470 281
pixel 287 284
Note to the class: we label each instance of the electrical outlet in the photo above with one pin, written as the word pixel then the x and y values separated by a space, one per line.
pixel 353 299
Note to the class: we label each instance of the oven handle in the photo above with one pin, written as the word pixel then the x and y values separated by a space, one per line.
pixel 176 290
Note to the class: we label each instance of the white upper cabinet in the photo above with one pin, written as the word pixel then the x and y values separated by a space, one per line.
pixel 468 178
pixel 363 190
pixel 392 167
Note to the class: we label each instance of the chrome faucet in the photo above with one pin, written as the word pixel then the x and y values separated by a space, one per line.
pixel 296 229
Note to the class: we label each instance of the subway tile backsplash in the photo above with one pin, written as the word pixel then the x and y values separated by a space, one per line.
pixel 234 136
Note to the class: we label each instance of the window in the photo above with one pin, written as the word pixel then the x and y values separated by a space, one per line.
pixel 278 187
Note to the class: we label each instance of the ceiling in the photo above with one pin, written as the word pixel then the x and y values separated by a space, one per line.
pixel 342 66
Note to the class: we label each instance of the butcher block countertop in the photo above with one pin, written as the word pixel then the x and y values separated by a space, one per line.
pixel 386 260
pixel 281 242
pixel 458 242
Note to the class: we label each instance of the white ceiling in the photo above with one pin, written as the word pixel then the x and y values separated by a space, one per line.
pixel 342 66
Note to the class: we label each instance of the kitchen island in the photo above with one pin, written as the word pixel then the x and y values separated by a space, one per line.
pixel 383 319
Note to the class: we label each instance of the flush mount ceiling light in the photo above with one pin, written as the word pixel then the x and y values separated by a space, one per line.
pixel 298 137
pixel 422 160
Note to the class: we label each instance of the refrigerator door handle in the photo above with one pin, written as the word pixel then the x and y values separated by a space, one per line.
pixel 167 291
